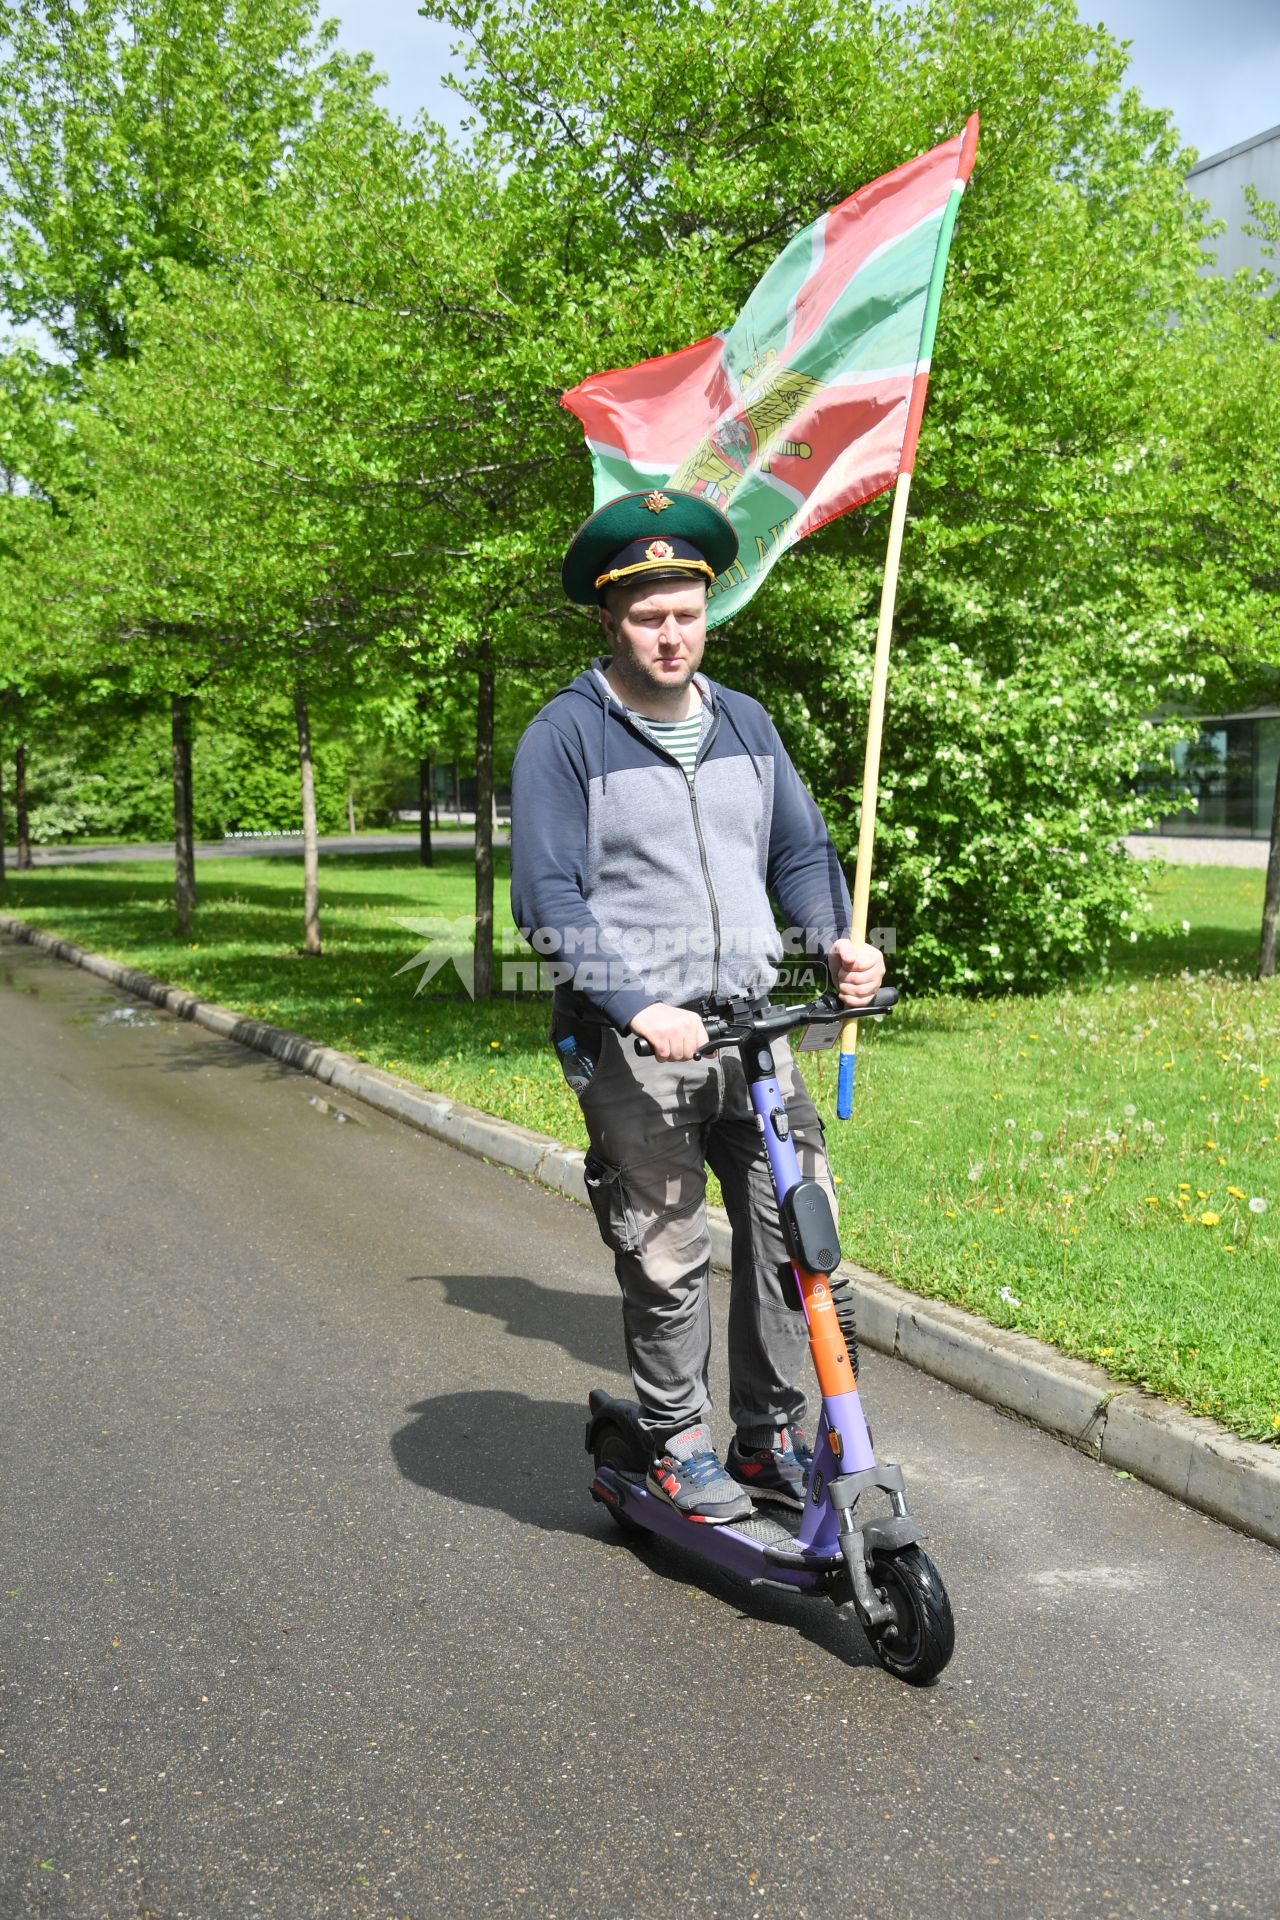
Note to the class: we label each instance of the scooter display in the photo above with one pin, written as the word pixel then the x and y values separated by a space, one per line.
pixel 871 1561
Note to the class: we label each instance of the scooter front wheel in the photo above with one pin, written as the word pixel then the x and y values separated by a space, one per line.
pixel 918 1642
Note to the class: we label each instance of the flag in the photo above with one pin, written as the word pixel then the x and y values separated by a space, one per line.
pixel 810 403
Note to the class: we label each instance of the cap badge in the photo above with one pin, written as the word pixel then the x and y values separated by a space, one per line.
pixel 657 502
pixel 659 550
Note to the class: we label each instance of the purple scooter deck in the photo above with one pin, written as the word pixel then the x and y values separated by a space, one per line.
pixel 728 1544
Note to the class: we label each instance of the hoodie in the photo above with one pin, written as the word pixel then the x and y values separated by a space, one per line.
pixel 638 885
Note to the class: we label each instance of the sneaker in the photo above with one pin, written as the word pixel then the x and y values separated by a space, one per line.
pixel 688 1475
pixel 778 1473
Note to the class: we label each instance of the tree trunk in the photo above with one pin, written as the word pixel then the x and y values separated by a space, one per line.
pixel 184 853
pixel 23 825
pixel 310 848
pixel 2 862
pixel 351 810
pixel 425 855
pixel 1271 897
pixel 484 827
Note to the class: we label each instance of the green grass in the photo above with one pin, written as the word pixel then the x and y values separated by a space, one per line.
pixel 1078 1164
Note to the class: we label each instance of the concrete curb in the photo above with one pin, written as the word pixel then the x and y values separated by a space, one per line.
pixel 1195 1460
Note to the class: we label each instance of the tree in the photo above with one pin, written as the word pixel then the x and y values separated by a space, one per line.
pixel 122 124
pixel 117 120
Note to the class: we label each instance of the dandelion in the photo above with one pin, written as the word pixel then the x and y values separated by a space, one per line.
pixel 1237 1193
pixel 975 1171
pixel 1036 1135
pixel 1068 1200
pixel 1211 1146
pixel 1209 1219
pixel 1257 1204
pixel 495 1043
pixel 1153 1200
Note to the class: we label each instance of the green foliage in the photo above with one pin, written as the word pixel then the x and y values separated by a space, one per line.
pixel 109 774
pixel 337 455
pixel 117 123
pixel 1030 647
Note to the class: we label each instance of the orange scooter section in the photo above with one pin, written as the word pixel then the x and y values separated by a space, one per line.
pixel 826 1342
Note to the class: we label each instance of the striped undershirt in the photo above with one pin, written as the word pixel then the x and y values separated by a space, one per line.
pixel 679 738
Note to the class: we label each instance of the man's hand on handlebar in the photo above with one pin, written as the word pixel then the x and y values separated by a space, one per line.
pixel 856 972
pixel 673 1033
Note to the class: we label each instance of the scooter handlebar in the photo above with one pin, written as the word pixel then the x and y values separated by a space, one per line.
pixel 777 1020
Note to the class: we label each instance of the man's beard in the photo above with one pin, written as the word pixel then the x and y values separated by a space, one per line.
pixel 645 679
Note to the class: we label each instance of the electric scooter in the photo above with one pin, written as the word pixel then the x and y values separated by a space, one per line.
pixel 871 1561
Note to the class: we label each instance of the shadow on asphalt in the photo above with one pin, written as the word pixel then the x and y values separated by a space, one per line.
pixel 588 1326
pixel 526 1458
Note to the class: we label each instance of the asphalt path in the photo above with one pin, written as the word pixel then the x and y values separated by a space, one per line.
pixel 262 846
pixel 307 1611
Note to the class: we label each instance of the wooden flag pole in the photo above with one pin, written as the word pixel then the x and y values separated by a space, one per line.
pixel 871 776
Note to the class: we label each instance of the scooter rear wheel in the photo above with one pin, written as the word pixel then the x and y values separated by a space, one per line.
pixel 614 1448
pixel 918 1642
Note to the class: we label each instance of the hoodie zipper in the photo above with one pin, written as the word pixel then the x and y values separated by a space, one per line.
pixel 712 902
pixel 702 855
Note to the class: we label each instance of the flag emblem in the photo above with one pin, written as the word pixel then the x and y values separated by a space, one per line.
pixel 659 550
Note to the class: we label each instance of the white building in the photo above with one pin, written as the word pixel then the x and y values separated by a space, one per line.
pixel 1232 766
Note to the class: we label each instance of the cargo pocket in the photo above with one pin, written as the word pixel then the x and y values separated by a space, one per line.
pixel 611 1204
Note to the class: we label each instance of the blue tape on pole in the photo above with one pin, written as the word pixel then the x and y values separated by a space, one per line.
pixel 844 1088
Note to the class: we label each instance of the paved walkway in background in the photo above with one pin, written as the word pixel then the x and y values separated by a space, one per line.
pixel 307 1611
pixel 290 844
pixel 1172 847
pixel 1197 851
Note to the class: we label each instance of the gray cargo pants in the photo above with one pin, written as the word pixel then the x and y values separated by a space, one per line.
pixel 655 1126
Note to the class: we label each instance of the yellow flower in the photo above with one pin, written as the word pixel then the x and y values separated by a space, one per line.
pixel 1211 1146
pixel 1201 1194
pixel 1265 1081
pixel 1237 1193
pixel 1184 1186
pixel 495 1043
pixel 1153 1200
pixel 1068 1199
pixel 1209 1219
pixel 997 1209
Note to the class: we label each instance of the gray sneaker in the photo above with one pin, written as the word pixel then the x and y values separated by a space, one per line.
pixel 689 1477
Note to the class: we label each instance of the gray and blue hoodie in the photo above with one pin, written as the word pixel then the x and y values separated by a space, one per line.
pixel 637 884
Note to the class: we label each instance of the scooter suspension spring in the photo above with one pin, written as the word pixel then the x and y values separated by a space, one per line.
pixel 847 1321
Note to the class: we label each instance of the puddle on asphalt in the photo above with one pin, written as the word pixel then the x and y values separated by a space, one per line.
pixel 327 1107
pixel 126 1017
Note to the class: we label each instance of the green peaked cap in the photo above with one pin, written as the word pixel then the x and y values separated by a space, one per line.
pixel 699 536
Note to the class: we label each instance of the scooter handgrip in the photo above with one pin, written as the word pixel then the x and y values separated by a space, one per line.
pixel 844 1086
pixel 643 1048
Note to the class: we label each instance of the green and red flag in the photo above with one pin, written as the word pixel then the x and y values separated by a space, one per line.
pixel 810 404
